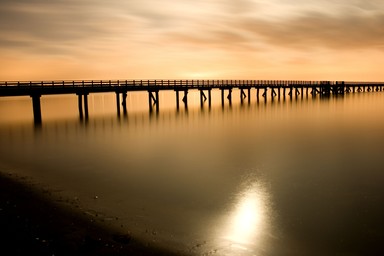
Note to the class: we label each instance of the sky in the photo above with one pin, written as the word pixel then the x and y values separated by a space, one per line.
pixel 192 39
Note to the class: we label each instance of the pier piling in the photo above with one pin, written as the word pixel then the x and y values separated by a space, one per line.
pixel 124 103
pixel 36 109
pixel 86 106
pixel 177 100
pixel 118 103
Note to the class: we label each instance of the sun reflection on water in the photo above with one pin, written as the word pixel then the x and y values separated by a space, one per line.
pixel 247 224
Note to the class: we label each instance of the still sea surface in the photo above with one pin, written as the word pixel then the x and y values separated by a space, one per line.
pixel 298 176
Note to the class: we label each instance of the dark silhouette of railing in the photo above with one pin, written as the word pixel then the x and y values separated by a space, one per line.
pixel 278 88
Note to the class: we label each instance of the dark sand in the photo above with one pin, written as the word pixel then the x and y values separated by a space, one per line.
pixel 32 223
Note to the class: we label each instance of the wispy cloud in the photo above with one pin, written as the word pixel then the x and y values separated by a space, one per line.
pixel 245 32
pixel 349 31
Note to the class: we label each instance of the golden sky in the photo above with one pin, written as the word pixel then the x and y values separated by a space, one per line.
pixel 236 39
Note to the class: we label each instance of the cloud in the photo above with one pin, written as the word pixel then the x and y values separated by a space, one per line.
pixel 313 30
pixel 72 25
pixel 157 35
pixel 343 29
pixel 52 27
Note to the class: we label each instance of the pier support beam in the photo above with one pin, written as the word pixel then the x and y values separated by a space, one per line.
pixel 118 103
pixel 86 106
pixel 153 100
pixel 209 98
pixel 297 92
pixel 273 93
pixel 242 96
pixel 36 109
pixel 177 100
pixel 185 99
pixel 290 93
pixel 229 97
pixel 124 103
pixel 80 105
pixel 222 97
pixel 257 93
pixel 83 106
pixel 265 92
pixel 203 98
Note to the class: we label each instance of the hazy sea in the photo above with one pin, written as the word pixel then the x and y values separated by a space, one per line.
pixel 283 177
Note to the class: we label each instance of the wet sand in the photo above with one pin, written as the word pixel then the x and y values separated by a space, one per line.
pixel 33 223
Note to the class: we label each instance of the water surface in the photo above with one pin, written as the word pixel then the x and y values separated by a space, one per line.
pixel 288 177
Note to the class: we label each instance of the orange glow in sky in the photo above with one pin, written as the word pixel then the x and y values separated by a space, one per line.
pixel 241 39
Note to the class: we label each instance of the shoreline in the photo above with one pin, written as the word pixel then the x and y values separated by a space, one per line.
pixel 33 224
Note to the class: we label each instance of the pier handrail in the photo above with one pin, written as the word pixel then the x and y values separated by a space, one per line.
pixel 203 83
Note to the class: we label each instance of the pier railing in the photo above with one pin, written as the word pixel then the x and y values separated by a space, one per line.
pixel 178 83
pixel 162 83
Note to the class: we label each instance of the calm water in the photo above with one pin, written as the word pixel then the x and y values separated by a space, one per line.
pixel 294 177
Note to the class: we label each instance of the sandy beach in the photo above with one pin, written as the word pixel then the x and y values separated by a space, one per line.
pixel 34 223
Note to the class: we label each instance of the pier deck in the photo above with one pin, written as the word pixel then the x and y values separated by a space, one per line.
pixel 276 88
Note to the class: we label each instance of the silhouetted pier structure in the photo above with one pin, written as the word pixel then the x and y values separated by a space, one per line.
pixel 276 88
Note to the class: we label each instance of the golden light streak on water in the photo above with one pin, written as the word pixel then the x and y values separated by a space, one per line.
pixel 247 225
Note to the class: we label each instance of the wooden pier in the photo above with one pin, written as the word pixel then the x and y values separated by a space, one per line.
pixel 275 88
